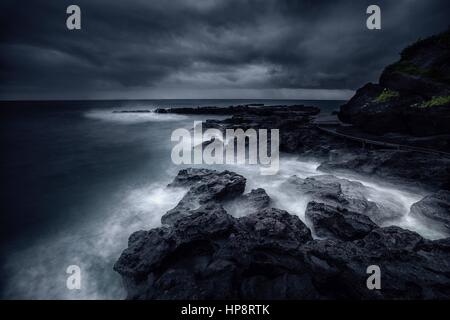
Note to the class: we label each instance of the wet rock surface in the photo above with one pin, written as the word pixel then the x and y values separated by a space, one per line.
pixel 211 255
pixel 338 223
pixel 205 187
pixel 298 134
pixel 435 207
pixel 301 136
pixel 411 267
pixel 341 194
pixel 252 202
pixel 271 254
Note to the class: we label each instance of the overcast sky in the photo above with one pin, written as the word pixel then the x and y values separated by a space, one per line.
pixel 204 48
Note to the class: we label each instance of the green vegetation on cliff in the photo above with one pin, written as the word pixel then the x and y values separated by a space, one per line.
pixel 435 101
pixel 386 95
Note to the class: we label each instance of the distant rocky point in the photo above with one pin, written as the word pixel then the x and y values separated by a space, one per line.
pixel 255 109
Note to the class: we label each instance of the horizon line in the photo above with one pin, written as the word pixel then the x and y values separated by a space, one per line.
pixel 151 99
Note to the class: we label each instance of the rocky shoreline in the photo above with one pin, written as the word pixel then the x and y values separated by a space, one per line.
pixel 203 252
pixel 300 135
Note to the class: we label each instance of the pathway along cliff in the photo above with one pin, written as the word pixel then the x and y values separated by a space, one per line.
pixel 377 141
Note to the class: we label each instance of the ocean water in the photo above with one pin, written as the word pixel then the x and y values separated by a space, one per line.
pixel 78 179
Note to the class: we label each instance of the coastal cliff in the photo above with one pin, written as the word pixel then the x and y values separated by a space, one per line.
pixel 412 96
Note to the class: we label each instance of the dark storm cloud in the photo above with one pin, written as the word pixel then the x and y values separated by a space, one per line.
pixel 140 48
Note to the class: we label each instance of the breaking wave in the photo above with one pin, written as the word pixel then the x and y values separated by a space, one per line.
pixel 132 117
pixel 39 271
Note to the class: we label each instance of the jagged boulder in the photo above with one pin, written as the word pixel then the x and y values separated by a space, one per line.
pixel 252 202
pixel 258 199
pixel 205 186
pixel 211 255
pixel 337 223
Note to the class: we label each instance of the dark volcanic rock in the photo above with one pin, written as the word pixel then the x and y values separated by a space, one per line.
pixel 337 223
pixel 307 140
pixel 205 186
pixel 275 224
pixel 401 102
pixel 208 254
pixel 257 198
pixel 254 110
pixel 297 133
pixel 411 267
pixel 428 170
pixel 373 116
pixel 353 109
pixel 270 255
pixel 435 207
pixel 252 202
